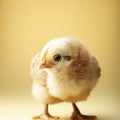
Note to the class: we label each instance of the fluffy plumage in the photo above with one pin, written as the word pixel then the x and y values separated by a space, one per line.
pixel 64 70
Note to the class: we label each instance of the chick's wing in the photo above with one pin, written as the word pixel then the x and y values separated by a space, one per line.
pixel 39 75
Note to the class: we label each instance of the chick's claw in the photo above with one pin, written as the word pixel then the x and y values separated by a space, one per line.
pixel 45 117
pixel 76 117
pixel 89 117
pixel 82 117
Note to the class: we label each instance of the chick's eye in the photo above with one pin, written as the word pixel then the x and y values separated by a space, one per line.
pixel 57 58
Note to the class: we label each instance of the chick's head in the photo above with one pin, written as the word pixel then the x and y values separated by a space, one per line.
pixel 58 53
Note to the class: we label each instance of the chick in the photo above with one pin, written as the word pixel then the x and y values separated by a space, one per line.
pixel 64 71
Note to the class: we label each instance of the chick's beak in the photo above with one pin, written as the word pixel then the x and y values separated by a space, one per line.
pixel 46 65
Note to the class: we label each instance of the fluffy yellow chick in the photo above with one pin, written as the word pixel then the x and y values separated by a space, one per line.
pixel 64 70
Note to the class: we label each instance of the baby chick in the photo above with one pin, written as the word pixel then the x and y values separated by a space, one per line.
pixel 64 70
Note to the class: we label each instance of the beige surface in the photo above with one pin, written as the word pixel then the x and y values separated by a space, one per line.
pixel 26 25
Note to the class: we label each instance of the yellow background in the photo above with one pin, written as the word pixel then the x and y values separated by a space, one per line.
pixel 26 25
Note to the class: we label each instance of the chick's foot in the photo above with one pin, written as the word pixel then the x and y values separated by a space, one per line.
pixel 76 115
pixel 45 117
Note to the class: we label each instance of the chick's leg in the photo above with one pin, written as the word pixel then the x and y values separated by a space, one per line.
pixel 45 115
pixel 77 115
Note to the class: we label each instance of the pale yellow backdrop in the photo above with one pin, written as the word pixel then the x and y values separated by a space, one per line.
pixel 26 25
